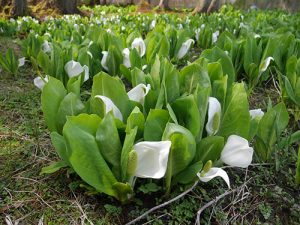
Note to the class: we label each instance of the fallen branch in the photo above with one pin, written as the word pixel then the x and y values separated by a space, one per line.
pixel 218 198
pixel 163 204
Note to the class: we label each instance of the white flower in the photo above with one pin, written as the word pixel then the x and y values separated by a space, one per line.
pixel 104 60
pixel 185 48
pixel 153 24
pixel 139 45
pixel 40 83
pixel 152 158
pixel 265 64
pixel 197 33
pixel 237 152
pixel 74 69
pixel 144 67
pixel 180 27
pixel 214 115
pixel 212 173
pixel 21 62
pixel 139 92
pixel 254 113
pixel 215 36
pixel 110 106
pixel 126 58
pixel 46 47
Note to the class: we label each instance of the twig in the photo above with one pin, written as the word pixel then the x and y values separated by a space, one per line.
pixel 163 204
pixel 214 201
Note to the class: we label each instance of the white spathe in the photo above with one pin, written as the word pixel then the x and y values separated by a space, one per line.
pixel 139 92
pixel 104 60
pixel 139 45
pixel 126 58
pixel 46 47
pixel 152 158
pixel 212 173
pixel 256 113
pixel 215 36
pixel 74 69
pixel 237 152
pixel 21 62
pixel 185 48
pixel 40 83
pixel 265 64
pixel 214 108
pixel 110 106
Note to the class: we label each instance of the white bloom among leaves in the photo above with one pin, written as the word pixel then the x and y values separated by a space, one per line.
pixel 74 69
pixel 212 173
pixel 104 60
pixel 46 47
pixel 40 82
pixel 152 158
pixel 139 92
pixel 256 113
pixel 126 58
pixel 214 115
pixel 21 62
pixel 185 48
pixel 139 45
pixel 237 152
pixel 265 64
pixel 110 106
pixel 215 36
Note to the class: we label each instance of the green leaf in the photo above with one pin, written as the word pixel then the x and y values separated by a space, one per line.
pixel 84 154
pixel 209 148
pixel 113 88
pixel 155 124
pixel 270 128
pixel 189 174
pixel 71 105
pixel 191 76
pixel 216 54
pixel 182 150
pixel 236 117
pixel 127 147
pixel 109 143
pixel 59 144
pixel 53 167
pixel 136 119
pixel 53 93
pixel 187 113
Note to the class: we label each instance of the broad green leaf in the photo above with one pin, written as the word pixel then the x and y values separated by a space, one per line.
pixel 155 124
pixel 71 105
pixel 137 77
pixel 209 148
pixel 171 81
pixel 84 154
pixel 59 144
pixel 136 119
pixel 113 88
pixel 182 150
pixel 216 54
pixel 191 76
pixel 52 95
pixel 109 143
pixel 236 117
pixel 186 111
